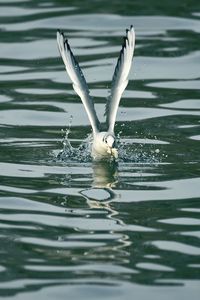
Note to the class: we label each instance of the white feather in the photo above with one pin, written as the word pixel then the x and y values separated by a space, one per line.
pixel 103 145
pixel 120 78
pixel 78 80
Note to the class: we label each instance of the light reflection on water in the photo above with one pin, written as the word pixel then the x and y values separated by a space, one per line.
pixel 73 227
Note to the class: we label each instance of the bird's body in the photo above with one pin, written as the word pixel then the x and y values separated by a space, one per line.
pixel 104 149
pixel 104 142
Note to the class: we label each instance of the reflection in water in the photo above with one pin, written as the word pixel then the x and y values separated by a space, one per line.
pixel 101 199
pixel 104 173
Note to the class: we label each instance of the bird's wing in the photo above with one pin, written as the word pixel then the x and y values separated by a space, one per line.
pixel 120 78
pixel 78 79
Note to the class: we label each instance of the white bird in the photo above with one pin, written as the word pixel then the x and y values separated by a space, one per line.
pixel 104 142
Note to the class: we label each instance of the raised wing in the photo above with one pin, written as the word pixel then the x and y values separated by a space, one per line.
pixel 120 78
pixel 78 79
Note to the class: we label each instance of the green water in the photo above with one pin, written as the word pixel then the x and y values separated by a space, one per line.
pixel 70 228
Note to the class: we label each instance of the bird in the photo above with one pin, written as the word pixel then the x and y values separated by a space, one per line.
pixel 104 143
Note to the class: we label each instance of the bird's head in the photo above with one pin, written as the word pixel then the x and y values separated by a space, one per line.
pixel 110 141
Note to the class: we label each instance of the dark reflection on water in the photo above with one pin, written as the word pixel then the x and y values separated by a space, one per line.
pixel 104 173
pixel 71 227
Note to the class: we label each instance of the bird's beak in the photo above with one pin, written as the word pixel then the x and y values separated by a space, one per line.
pixel 113 152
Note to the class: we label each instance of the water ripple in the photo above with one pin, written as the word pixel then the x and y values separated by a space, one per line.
pixel 88 230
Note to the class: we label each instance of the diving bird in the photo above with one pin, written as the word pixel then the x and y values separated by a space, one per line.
pixel 103 142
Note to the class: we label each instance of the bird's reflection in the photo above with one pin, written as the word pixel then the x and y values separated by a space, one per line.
pixel 99 219
pixel 101 196
pixel 102 199
pixel 104 173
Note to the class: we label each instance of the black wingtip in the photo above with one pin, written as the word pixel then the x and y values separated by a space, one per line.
pixel 127 30
pixel 60 32
pixel 124 42
pixel 126 37
pixel 65 42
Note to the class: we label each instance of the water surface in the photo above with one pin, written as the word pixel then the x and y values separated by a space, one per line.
pixel 70 227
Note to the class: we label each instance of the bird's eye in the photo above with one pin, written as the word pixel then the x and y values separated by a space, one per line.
pixel 105 139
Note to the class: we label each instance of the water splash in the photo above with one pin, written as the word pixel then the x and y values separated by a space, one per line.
pixel 81 153
pixel 138 153
pixel 128 151
pixel 72 154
